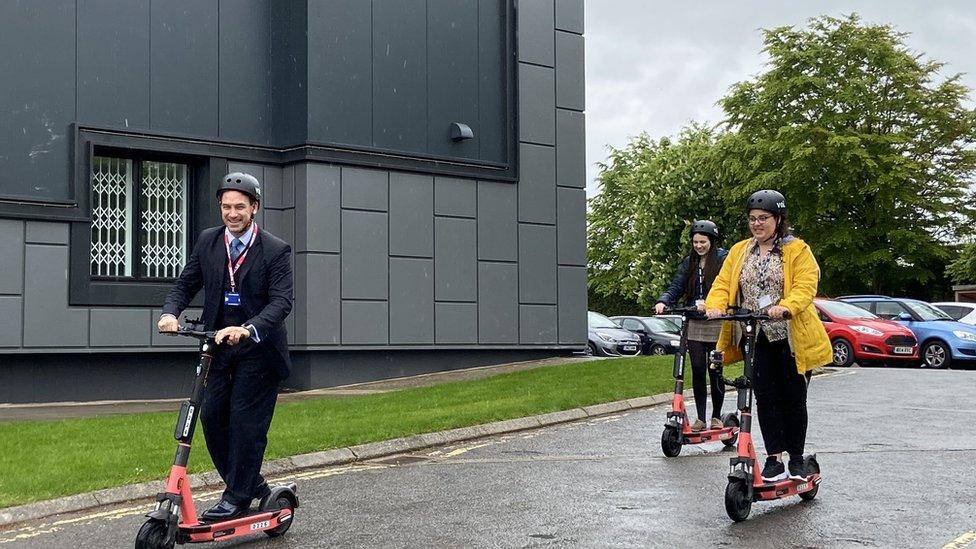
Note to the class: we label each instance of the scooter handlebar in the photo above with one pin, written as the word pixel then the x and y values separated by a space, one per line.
pixel 746 315
pixel 184 331
pixel 689 312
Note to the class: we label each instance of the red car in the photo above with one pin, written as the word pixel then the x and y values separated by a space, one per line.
pixel 858 335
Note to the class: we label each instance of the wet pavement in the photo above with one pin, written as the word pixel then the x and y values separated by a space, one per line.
pixel 897 449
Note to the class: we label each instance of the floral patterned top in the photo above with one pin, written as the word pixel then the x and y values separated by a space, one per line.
pixel 763 276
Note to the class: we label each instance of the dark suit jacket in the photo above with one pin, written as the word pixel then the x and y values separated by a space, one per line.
pixel 264 282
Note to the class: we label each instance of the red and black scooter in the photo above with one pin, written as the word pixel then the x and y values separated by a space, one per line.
pixel 175 518
pixel 677 430
pixel 745 473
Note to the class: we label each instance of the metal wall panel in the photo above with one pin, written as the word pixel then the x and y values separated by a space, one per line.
pixel 571 231
pixel 411 214
pixel 411 301
pixel 498 307
pixel 245 71
pixel 12 252
pixel 570 92
pixel 537 101
pixel 317 208
pixel 122 327
pixel 452 75
pixel 455 197
pixel 537 186
pixel 491 134
pixel 537 324
pixel 456 323
pixel 271 188
pixel 42 232
pixel 572 305
pixel 11 323
pixel 569 15
pixel 455 259
pixel 38 98
pixel 400 75
pixel 317 305
pixel 113 63
pixel 571 149
pixel 365 269
pixel 365 189
pixel 536 20
pixel 364 323
pixel 290 67
pixel 48 321
pixel 537 264
pixel 183 67
pixel 497 221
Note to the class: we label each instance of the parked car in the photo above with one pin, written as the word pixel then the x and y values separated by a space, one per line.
pixel 942 341
pixel 858 335
pixel 606 338
pixel 677 320
pixel 658 336
pixel 959 311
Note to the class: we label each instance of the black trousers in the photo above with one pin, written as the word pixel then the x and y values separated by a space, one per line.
pixel 238 405
pixel 698 352
pixel 781 397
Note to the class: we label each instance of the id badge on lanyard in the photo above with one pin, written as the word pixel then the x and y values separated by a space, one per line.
pixel 233 298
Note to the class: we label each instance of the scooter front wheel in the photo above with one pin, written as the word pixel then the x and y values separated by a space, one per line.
pixel 671 442
pixel 152 535
pixel 738 504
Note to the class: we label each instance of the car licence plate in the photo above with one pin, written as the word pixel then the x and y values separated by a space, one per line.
pixel 630 347
pixel 903 350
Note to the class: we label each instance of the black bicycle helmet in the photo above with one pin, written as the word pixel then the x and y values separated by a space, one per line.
pixel 769 200
pixel 241 182
pixel 705 227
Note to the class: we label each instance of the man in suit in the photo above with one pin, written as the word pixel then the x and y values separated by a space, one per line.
pixel 245 273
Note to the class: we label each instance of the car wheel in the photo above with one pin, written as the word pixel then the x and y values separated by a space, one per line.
pixel 936 354
pixel 657 350
pixel 591 350
pixel 843 352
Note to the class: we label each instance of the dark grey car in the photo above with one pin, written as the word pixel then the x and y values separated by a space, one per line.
pixel 659 336
pixel 606 338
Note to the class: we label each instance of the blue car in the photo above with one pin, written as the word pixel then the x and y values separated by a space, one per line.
pixel 942 341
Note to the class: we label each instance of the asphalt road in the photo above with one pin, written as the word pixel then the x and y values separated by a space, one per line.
pixel 897 449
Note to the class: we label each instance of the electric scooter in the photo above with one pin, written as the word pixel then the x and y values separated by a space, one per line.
pixel 746 484
pixel 677 429
pixel 175 518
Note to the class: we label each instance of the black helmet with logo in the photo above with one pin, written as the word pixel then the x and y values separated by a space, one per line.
pixel 705 227
pixel 769 200
pixel 241 182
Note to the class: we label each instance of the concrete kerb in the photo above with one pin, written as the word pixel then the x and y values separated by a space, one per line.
pixel 327 458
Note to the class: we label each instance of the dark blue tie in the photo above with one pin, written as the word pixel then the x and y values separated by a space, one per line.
pixel 235 249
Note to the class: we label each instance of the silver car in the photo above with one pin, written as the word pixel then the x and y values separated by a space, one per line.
pixel 606 338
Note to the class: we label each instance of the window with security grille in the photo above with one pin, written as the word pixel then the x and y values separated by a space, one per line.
pixel 139 218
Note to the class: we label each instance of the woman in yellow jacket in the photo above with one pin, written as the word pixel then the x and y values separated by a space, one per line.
pixel 776 273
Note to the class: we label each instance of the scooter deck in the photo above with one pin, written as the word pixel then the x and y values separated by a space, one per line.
pixel 710 435
pixel 259 521
pixel 785 488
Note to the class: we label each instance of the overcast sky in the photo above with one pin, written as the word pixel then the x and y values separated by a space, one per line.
pixel 655 66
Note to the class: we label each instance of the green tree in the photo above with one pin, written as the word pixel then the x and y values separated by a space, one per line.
pixel 651 191
pixel 963 269
pixel 872 150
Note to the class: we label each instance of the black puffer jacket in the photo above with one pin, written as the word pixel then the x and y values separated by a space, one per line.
pixel 680 282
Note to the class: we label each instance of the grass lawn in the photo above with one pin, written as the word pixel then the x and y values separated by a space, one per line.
pixel 48 459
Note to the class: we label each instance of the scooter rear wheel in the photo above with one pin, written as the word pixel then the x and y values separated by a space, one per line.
pixel 283 502
pixel 731 420
pixel 152 535
pixel 813 467
pixel 738 504
pixel 671 442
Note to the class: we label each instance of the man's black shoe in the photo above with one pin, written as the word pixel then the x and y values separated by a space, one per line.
pixel 798 468
pixel 224 510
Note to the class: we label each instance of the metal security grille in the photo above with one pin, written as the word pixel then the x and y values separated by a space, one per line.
pixel 111 231
pixel 163 219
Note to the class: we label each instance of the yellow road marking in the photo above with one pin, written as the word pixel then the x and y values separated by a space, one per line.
pixel 465 449
pixel 962 541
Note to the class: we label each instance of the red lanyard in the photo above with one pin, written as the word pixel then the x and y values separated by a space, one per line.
pixel 232 266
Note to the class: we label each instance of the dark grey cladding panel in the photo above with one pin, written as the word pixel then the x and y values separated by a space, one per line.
pixel 497 221
pixel 457 197
pixel 571 231
pixel 113 67
pixel 281 223
pixel 537 264
pixel 536 20
pixel 11 325
pixel 498 307
pixel 456 323
pixel 12 256
pixel 340 85
pixel 411 214
pixel 411 300
pixel 492 91
pixel 317 305
pixel 570 93
pixel 364 323
pixel 183 67
pixel 257 170
pixel 317 208
pixel 46 301
pixel 291 65
pixel 572 305
pixel 569 15
pixel 452 75
pixel 570 149
pixel 537 324
pixel 364 255
pixel 399 75
pixel 37 98
pixel 122 327
pixel 537 184
pixel 43 232
pixel 245 71
pixel 365 189
pixel 537 103
pixel 455 259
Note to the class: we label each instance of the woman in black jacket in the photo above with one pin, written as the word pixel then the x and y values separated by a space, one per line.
pixel 695 275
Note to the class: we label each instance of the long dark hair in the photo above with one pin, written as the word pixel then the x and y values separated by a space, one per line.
pixel 711 269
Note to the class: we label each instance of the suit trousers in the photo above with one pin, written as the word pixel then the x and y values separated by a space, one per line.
pixel 781 397
pixel 238 405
